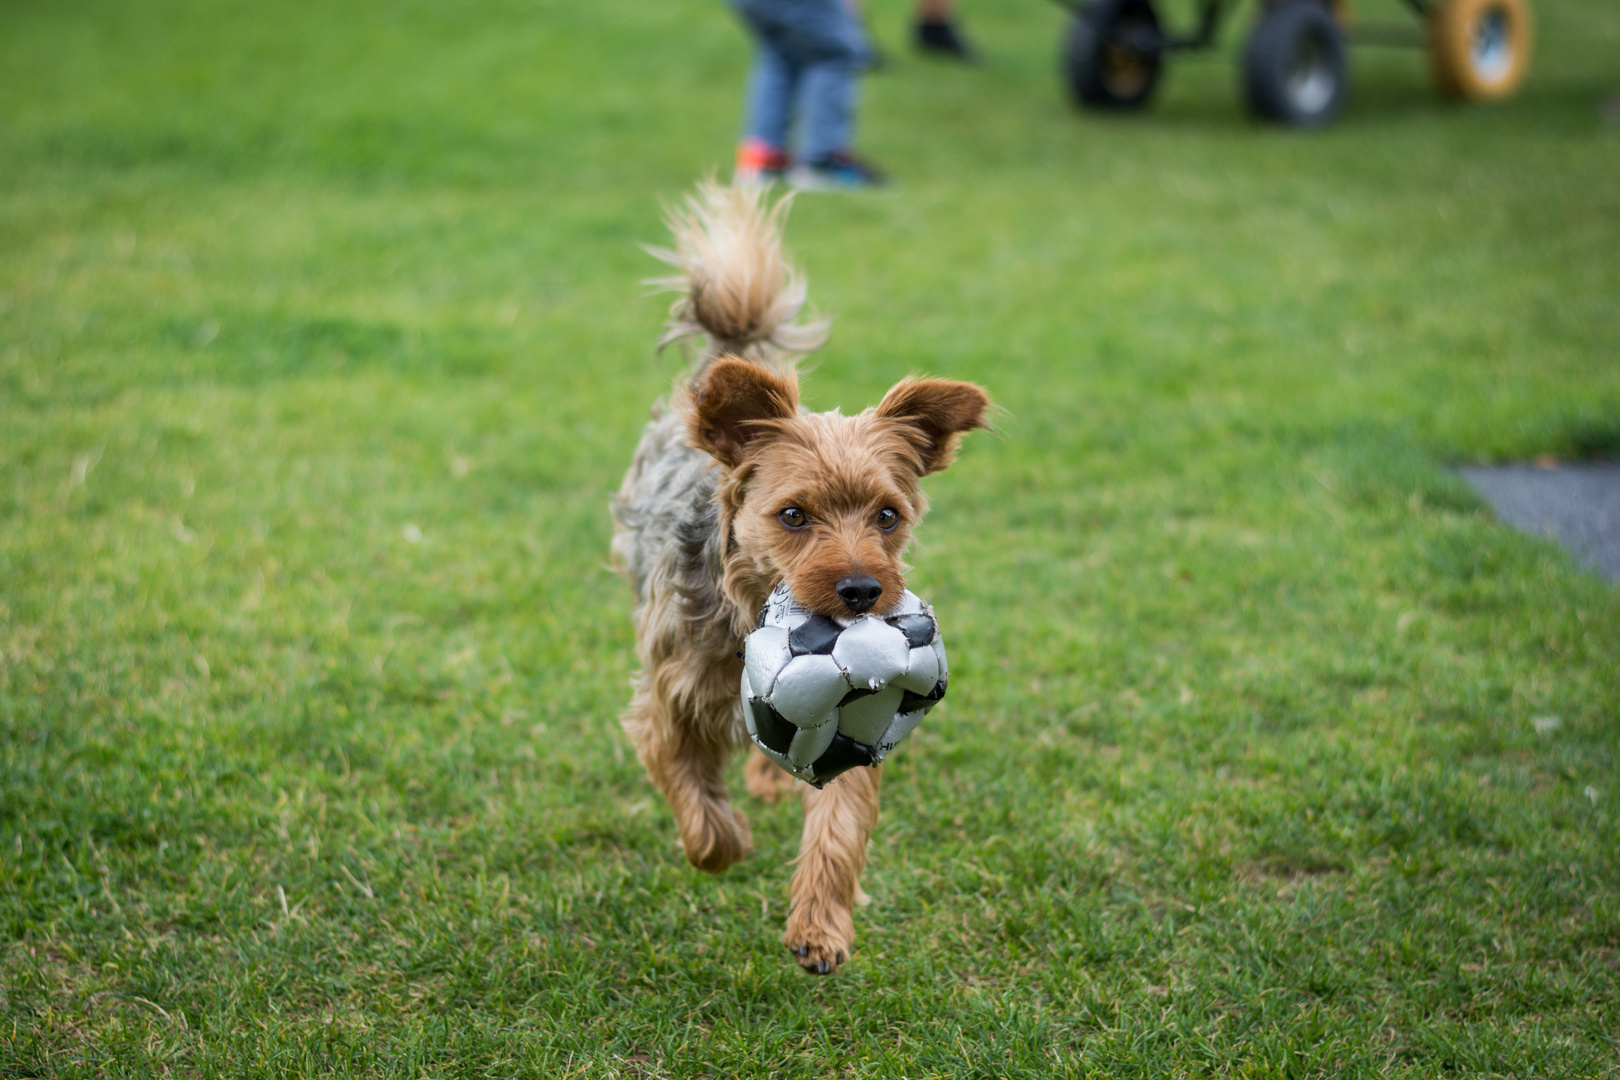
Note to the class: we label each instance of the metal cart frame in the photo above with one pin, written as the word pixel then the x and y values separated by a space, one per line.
pixel 1295 68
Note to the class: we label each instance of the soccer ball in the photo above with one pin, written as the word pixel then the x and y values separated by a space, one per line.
pixel 821 696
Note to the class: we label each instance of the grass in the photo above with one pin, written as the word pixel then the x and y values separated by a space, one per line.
pixel 1268 753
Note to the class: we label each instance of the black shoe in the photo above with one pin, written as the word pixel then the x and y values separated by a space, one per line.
pixel 941 38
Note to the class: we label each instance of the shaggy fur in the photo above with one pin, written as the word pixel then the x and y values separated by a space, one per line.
pixel 735 488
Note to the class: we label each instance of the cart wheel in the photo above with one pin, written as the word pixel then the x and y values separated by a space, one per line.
pixel 1480 49
pixel 1294 67
pixel 1113 56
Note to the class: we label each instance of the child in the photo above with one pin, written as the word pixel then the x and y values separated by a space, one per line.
pixel 809 55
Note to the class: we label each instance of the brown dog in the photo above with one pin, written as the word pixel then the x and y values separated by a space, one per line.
pixel 735 488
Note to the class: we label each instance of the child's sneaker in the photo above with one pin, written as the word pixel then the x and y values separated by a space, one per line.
pixel 759 164
pixel 836 172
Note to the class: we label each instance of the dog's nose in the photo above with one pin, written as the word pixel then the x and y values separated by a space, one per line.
pixel 859 591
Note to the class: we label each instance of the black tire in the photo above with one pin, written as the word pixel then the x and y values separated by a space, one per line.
pixel 1113 56
pixel 1294 68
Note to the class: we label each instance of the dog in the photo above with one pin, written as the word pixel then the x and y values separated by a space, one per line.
pixel 735 488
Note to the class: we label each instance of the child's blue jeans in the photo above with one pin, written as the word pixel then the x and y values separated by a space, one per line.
pixel 809 58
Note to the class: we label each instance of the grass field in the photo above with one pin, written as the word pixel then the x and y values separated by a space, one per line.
pixel 1268 754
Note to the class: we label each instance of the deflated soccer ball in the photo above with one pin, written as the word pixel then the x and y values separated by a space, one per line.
pixel 822 696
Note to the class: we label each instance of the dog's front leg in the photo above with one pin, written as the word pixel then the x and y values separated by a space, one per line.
pixel 838 820
pixel 686 757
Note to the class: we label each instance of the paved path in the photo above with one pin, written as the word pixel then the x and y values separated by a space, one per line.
pixel 1577 504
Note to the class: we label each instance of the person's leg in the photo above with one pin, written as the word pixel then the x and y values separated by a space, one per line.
pixel 772 86
pixel 833 49
pixel 829 91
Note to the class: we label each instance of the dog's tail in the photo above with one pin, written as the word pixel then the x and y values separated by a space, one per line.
pixel 739 294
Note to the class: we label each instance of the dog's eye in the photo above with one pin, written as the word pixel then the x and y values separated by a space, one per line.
pixel 887 519
pixel 793 518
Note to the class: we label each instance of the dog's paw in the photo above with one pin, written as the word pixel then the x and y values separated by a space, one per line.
pixel 723 839
pixel 764 780
pixel 817 949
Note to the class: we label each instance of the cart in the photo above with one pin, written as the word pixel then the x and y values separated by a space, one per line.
pixel 1295 69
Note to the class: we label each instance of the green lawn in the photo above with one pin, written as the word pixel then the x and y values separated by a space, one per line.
pixel 1268 754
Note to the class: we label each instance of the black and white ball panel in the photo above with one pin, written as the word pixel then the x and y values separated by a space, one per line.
pixel 821 696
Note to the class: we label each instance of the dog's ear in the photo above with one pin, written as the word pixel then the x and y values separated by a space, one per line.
pixel 932 415
pixel 729 401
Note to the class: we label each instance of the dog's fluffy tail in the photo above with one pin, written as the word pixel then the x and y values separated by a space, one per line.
pixel 739 294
